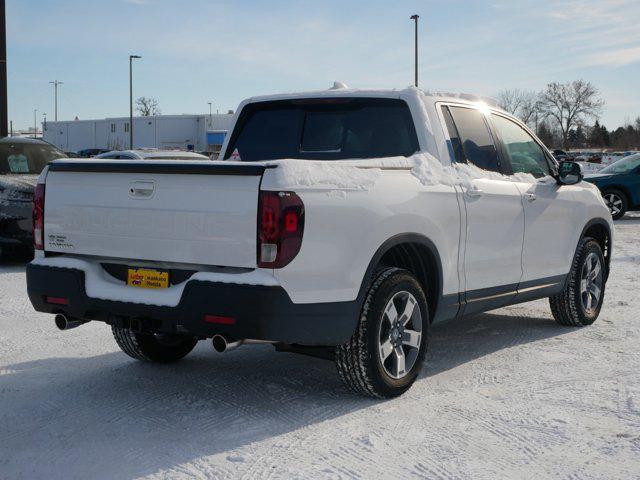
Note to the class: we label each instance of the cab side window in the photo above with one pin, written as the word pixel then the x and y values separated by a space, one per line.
pixel 524 153
pixel 470 138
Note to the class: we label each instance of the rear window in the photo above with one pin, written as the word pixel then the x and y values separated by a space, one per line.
pixel 320 129
pixel 26 158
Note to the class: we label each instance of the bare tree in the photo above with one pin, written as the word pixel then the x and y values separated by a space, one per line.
pixel 147 106
pixel 521 103
pixel 570 104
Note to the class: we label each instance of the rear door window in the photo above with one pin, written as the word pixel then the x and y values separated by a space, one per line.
pixel 471 139
pixel 324 129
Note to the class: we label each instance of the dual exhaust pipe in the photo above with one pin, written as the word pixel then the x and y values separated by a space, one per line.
pixel 221 343
pixel 67 323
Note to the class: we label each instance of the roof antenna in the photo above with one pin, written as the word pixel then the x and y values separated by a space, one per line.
pixel 338 86
pixel 415 18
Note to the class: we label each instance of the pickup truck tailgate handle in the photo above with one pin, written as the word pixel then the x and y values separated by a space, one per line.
pixel 142 189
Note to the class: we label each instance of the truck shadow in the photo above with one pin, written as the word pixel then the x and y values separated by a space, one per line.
pixel 107 416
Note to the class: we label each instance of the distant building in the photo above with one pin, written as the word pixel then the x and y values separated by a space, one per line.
pixel 185 132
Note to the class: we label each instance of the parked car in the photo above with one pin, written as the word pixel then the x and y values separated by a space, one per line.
pixel 91 152
pixel 21 161
pixel 562 155
pixel 620 185
pixel 346 224
pixel 612 157
pixel 144 154
pixel 72 155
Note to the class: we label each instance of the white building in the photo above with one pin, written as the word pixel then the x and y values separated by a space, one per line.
pixel 185 132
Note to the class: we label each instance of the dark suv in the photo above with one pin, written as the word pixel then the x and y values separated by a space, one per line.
pixel 21 161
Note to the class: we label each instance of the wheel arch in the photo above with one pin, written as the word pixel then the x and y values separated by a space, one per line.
pixel 417 254
pixel 599 229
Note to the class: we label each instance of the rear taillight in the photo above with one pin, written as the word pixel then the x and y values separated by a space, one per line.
pixel 280 227
pixel 38 217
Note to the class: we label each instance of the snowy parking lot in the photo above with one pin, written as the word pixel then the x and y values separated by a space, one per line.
pixel 507 394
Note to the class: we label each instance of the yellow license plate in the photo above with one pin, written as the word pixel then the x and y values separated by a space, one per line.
pixel 147 278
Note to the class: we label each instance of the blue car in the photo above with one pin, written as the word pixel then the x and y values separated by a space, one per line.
pixel 620 185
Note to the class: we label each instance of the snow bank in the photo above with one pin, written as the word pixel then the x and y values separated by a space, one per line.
pixel 362 174
pixel 101 285
pixel 430 171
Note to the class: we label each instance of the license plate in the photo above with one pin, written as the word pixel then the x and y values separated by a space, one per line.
pixel 147 278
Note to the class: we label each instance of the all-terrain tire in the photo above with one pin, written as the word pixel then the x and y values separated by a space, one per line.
pixel 567 306
pixel 358 362
pixel 153 348
pixel 620 201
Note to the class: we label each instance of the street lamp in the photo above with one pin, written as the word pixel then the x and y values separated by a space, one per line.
pixel 35 123
pixel 131 57
pixel 55 84
pixel 210 118
pixel 415 18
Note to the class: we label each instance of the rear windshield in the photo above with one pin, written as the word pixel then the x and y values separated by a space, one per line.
pixel 320 129
pixel 21 158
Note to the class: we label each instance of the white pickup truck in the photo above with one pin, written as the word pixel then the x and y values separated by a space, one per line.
pixel 339 224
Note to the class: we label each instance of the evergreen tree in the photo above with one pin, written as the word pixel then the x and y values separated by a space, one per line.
pixel 595 136
pixel 545 134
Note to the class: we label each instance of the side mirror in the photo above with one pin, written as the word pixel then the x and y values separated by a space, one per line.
pixel 569 173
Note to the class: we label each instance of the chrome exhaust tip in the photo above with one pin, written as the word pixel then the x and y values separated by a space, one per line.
pixel 67 323
pixel 222 344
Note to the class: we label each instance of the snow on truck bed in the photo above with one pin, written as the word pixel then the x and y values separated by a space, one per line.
pixel 507 394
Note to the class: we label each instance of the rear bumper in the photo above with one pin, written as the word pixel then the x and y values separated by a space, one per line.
pixel 260 312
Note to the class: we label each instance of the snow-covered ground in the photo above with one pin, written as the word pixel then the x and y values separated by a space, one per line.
pixel 508 394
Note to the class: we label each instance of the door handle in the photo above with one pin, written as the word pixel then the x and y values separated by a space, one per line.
pixel 530 196
pixel 474 192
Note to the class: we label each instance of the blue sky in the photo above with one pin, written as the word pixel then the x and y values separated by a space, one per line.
pixel 196 51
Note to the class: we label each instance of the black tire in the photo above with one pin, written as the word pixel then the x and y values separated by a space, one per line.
pixel 617 203
pixel 161 348
pixel 568 307
pixel 358 361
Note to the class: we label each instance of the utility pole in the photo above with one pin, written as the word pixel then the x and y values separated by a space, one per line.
pixel 131 57
pixel 55 84
pixel 210 115
pixel 415 18
pixel 35 123
pixel 4 114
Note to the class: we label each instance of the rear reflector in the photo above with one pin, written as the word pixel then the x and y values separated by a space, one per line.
pixel 220 320
pixel 56 300
pixel 38 217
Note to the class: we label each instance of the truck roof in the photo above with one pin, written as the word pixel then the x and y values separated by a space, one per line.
pixel 382 93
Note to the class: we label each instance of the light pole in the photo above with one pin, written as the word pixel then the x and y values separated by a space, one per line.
pixel 3 72
pixel 55 84
pixel 415 18
pixel 131 57
pixel 35 123
pixel 210 117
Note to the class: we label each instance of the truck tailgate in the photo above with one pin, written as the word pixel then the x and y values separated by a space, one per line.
pixel 186 212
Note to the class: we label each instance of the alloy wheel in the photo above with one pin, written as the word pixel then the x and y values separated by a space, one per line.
pixel 614 203
pixel 400 335
pixel 591 279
